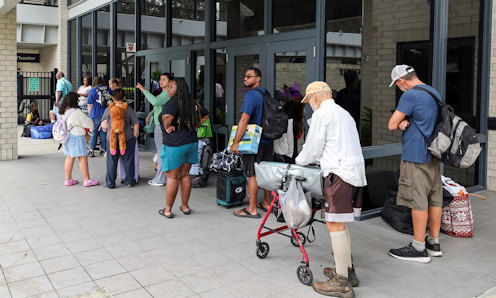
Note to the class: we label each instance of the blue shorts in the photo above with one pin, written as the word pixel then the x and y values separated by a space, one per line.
pixel 174 157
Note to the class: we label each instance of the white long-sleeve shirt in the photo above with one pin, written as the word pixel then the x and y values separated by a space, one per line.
pixel 77 122
pixel 333 141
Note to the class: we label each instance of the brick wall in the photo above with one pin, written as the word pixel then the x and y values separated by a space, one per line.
pixel 491 146
pixel 8 93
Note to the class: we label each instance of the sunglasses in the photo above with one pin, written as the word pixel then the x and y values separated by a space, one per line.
pixel 250 76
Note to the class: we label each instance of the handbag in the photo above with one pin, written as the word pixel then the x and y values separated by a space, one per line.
pixel 457 219
pixel 150 127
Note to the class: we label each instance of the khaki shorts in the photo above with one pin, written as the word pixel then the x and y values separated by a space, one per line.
pixel 419 186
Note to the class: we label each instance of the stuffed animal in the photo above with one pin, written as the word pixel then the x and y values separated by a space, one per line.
pixel 117 113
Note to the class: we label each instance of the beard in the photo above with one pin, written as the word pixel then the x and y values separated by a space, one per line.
pixel 247 85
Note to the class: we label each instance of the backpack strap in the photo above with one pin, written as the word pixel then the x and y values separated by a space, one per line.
pixel 438 100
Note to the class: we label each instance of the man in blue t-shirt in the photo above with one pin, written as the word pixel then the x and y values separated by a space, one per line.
pixel 62 88
pixel 97 106
pixel 252 113
pixel 420 177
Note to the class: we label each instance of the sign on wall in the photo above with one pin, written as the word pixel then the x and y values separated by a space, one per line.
pixel 131 47
pixel 34 84
pixel 29 58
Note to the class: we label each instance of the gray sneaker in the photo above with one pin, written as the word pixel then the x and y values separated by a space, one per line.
pixel 330 272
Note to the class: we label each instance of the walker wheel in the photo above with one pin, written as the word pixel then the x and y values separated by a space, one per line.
pixel 304 275
pixel 262 250
pixel 302 237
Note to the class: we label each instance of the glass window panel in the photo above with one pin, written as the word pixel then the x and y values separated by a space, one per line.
pixel 103 43
pixel 199 78
pixel 242 63
pixel 291 15
pixel 462 74
pixel 219 111
pixel 74 46
pixel 290 84
pixel 153 24
pixel 464 52
pixel 365 39
pixel 125 61
pixel 239 18
pixel 140 98
pixel 86 45
pixel 380 175
pixel 188 22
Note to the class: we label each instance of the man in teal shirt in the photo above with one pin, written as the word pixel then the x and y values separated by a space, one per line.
pixel 63 87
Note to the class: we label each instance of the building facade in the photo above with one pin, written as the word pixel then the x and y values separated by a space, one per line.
pixel 352 45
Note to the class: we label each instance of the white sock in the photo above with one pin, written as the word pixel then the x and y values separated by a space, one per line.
pixel 350 260
pixel 342 252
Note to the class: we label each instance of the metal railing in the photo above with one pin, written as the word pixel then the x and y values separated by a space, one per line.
pixel 36 87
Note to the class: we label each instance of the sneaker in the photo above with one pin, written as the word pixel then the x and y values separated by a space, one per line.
pixel 151 182
pixel 90 183
pixel 330 272
pixel 70 182
pixel 102 153
pixel 409 253
pixel 91 153
pixel 434 250
pixel 337 286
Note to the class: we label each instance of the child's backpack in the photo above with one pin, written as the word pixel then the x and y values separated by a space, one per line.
pixel 59 130
pixel 104 96
pixel 453 141
pixel 274 119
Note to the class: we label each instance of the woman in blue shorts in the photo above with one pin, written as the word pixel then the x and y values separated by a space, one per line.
pixel 180 119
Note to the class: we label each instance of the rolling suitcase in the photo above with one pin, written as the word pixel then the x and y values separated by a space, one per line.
pixel 231 188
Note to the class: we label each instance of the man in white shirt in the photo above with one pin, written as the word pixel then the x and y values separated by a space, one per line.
pixel 333 142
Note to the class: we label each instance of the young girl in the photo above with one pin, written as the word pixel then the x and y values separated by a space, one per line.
pixel 77 124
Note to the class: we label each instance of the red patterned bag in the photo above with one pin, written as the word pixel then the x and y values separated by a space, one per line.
pixel 457 220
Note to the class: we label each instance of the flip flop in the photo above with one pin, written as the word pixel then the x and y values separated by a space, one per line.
pixel 259 205
pixel 246 214
pixel 185 212
pixel 162 212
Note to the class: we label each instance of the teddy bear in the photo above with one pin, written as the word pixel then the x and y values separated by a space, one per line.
pixel 117 113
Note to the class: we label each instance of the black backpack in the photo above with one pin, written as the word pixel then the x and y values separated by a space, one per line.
pixel 274 119
pixel 453 141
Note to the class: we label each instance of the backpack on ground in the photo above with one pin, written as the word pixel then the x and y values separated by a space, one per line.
pixel 104 96
pixel 200 172
pixel 453 141
pixel 59 129
pixel 274 119
pixel 26 131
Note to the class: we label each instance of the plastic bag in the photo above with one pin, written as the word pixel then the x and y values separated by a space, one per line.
pixel 295 207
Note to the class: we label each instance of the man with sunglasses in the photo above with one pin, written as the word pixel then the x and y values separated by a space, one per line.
pixel 252 113
pixel 420 177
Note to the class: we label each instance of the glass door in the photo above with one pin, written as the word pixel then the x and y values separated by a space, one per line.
pixel 292 66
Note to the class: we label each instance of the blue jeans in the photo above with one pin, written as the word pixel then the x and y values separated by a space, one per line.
pixel 97 132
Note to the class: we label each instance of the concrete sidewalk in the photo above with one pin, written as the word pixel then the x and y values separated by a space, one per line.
pixel 65 241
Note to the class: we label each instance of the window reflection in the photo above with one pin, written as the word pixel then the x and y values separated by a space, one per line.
pixel 125 58
pixel 86 45
pixel 103 43
pixel 153 24
pixel 291 15
pixel 239 18
pixel 74 46
pixel 188 22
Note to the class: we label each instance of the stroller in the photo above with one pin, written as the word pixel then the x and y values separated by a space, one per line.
pixel 274 176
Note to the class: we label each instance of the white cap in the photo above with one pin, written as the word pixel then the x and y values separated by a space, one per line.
pixel 400 71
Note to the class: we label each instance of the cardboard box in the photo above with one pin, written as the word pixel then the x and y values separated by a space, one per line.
pixel 250 141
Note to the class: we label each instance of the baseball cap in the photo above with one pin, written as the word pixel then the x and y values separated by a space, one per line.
pixel 400 71
pixel 315 87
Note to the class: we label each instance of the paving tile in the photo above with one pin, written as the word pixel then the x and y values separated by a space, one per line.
pixel 53 251
pixel 138 293
pixel 51 294
pixel 138 261
pixel 201 282
pixel 30 287
pixel 151 275
pixel 82 245
pixel 75 235
pixel 4 291
pixel 43 241
pixel 181 266
pixel 17 258
pixel 21 272
pixel 104 269
pixel 93 256
pixel 231 273
pixel 69 277
pixel 170 288
pixel 11 236
pixel 79 289
pixel 59 264
pixel 218 292
pixel 118 284
pixel 13 247
pixel 124 249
